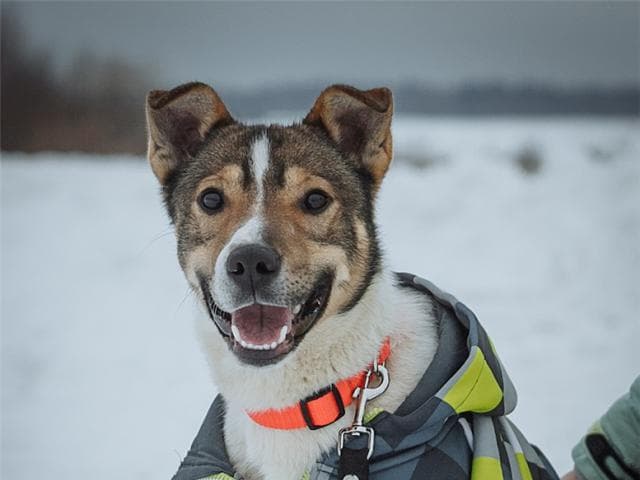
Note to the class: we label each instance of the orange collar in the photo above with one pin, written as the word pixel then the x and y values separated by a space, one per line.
pixel 320 409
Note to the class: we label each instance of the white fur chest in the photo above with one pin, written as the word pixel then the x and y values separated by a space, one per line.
pixel 326 356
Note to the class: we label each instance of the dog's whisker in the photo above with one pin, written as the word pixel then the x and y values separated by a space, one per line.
pixel 188 293
pixel 159 236
pixel 178 455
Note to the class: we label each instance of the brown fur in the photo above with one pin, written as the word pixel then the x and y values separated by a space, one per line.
pixel 343 147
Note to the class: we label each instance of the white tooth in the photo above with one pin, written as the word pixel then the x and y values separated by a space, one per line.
pixel 244 344
pixel 273 345
pixel 236 333
pixel 283 334
pixel 297 309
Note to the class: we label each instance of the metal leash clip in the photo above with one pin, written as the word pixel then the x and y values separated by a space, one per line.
pixel 364 394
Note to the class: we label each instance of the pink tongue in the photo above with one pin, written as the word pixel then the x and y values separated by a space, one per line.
pixel 261 324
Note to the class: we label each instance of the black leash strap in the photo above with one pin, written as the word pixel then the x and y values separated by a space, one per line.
pixel 354 464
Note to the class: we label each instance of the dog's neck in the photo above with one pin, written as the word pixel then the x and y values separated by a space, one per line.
pixel 336 348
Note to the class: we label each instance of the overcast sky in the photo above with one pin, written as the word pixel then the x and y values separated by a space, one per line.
pixel 253 44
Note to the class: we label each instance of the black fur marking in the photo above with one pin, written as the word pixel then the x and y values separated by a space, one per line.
pixel 278 170
pixel 184 134
pixel 353 134
pixel 373 265
pixel 167 194
pixel 246 173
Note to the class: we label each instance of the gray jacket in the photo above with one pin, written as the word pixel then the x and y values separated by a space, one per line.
pixel 453 426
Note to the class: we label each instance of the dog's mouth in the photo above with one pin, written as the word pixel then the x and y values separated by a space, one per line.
pixel 261 334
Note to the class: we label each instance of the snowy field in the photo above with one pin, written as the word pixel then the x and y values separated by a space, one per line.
pixel 535 224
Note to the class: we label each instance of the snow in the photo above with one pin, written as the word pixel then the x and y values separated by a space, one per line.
pixel 102 376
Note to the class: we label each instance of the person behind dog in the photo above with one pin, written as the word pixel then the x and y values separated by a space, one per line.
pixel 611 448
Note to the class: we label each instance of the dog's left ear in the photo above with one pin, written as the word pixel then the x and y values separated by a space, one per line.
pixel 359 123
pixel 178 122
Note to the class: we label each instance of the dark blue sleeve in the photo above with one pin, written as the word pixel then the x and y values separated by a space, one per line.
pixel 207 455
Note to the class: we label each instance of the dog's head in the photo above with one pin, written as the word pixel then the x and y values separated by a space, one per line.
pixel 274 223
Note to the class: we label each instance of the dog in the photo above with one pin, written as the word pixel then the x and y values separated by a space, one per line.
pixel 277 238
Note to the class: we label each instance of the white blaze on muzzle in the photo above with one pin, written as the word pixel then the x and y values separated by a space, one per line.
pixel 224 289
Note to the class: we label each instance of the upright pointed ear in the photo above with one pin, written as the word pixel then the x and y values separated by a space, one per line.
pixel 178 122
pixel 359 122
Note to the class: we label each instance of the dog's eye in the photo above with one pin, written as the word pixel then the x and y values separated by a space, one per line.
pixel 316 201
pixel 211 200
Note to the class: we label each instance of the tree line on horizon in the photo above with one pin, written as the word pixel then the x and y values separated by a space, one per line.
pixel 97 105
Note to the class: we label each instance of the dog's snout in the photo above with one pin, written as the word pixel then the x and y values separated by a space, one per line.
pixel 253 264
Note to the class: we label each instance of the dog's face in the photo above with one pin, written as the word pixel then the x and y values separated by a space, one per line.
pixel 274 224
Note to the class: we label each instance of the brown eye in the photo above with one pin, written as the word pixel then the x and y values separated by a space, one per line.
pixel 316 201
pixel 211 200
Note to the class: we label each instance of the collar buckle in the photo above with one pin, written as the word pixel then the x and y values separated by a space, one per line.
pixel 364 394
pixel 304 406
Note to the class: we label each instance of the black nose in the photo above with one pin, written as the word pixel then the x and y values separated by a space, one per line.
pixel 253 265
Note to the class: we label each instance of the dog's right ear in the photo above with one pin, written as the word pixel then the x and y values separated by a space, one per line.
pixel 178 121
pixel 359 123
